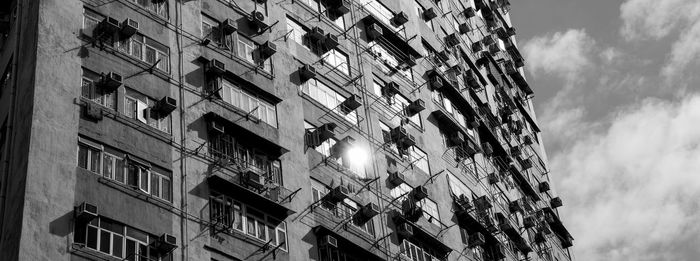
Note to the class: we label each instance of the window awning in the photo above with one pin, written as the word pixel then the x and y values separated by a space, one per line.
pixel 362 249
pixel 273 200
pixel 421 234
pixel 271 147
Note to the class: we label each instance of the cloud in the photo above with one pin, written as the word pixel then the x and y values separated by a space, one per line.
pixel 645 19
pixel 653 19
pixel 637 182
pixel 563 54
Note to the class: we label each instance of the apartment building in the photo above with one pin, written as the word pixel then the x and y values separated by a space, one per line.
pixel 270 130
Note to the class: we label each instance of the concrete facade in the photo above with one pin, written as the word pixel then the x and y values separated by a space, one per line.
pixel 473 144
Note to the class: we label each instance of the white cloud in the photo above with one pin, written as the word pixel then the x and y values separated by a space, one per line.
pixel 631 190
pixel 563 54
pixel 642 19
pixel 653 19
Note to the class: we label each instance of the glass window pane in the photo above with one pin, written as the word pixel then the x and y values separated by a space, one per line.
pixel 143 184
pixel 105 242
pixel 92 237
pixel 95 161
pixel 117 242
pixel 155 185
pixel 166 189
pixel 82 156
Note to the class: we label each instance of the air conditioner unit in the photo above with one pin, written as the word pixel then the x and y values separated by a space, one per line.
pixel 331 41
pixel 324 132
pixel 477 47
pixel 457 138
pixel 494 49
pixel 487 148
pixel 108 26
pixel 407 142
pixel 435 81
pixel 228 26
pixel 338 194
pixel 464 28
pixel 544 186
pixel 215 67
pixel 540 238
pixel 216 128
pixel 86 212
pixel 483 203
pixel 516 151
pixel 328 241
pixel 338 7
pixel 556 202
pixel 475 240
pixel 374 31
pixel 370 210
pixel 129 27
pixel 166 105
pixel 489 224
pixel 527 140
pixel 473 123
pixel 257 20
pixel 399 19
pixel 529 222
pixel 405 230
pixel 452 40
pixel 317 34
pixel 469 12
pixel 415 107
pixel 351 103
pixel 398 133
pixel 419 192
pixel 390 89
pixel 396 178
pixel 502 33
pixel 526 164
pixel 93 111
pixel 462 202
pixel 545 229
pixel 488 40
pixel 253 178
pixel 510 31
pixel 307 72
pixel 165 243
pixel 110 81
pixel 429 14
pixel 514 206
pixel 410 60
pixel 492 178
pixel 267 49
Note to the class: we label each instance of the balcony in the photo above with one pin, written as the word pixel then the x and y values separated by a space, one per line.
pixel 391 35
pixel 268 142
pixel 425 232
pixel 273 198
pixel 350 239
pixel 518 78
pixel 558 227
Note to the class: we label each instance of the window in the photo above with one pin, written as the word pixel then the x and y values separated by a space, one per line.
pixel 160 9
pixel 90 91
pixel 147 50
pixel 90 21
pixel 249 103
pixel 236 216
pixel 420 159
pixel 296 32
pixel 327 97
pixel 343 210
pixel 118 240
pixel 420 11
pixel 113 165
pixel 325 150
pixel 414 252
pixel 89 157
pixel 389 59
pixel 320 6
pixel 246 50
pixel 337 60
pixel 137 106
pixel 430 211
pixel 386 137
pixel 381 12
pixel 398 104
pixel 229 148
pixel 211 31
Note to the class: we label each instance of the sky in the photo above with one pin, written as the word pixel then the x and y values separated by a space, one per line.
pixel 617 95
